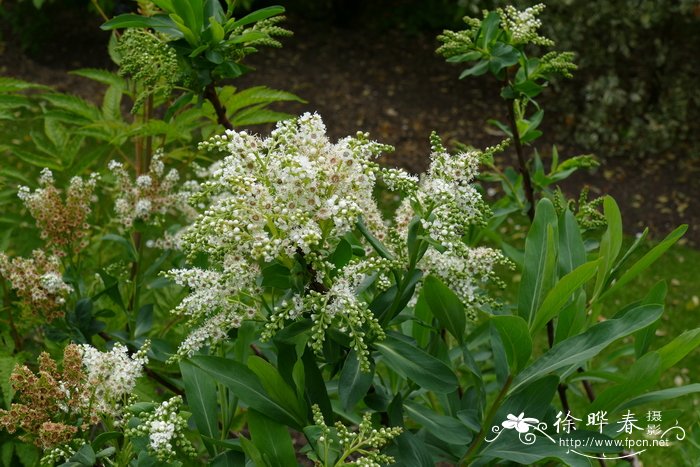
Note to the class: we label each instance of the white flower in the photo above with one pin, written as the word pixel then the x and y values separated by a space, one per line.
pixel 112 375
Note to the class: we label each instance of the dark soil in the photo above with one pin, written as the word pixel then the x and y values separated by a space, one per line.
pixel 392 85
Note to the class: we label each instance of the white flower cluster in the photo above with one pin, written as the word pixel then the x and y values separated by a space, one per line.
pixel 449 202
pixel 213 307
pixel 283 198
pixel 447 205
pixel 285 194
pixel 465 271
pixel 150 194
pixel 523 25
pixel 286 202
pixel 165 428
pixel 111 376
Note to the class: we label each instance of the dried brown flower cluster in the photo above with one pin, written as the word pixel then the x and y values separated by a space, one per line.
pixel 63 223
pixel 38 283
pixel 51 408
pixel 151 194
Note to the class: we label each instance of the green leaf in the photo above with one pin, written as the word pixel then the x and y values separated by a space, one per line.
pixel 448 429
pixel 73 104
pixel 644 337
pixel 467 57
pixel 560 294
pixel 128 20
pixel 572 318
pixel 411 450
pixel 101 76
pixel 200 390
pixel 575 350
pixel 272 439
pixel 84 456
pixel 646 260
pixel 112 103
pixel 13 85
pixel 7 364
pixel 422 317
pixel 661 395
pixel 246 385
pixel 257 15
pixel 540 260
pixel 276 386
pixel 516 340
pixel 643 374
pixel 128 246
pixel 217 31
pixel 353 383
pixel 376 244
pixel 572 252
pixel 489 29
pixel 254 453
pixel 445 306
pixel 610 243
pixel 674 351
pixel 417 365
pixel 478 69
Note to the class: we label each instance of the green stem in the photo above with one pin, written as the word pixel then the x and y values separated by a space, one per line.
pixel 488 420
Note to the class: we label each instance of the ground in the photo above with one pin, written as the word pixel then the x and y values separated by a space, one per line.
pixel 391 84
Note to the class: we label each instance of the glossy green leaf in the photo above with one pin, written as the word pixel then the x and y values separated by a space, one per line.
pixel 445 306
pixel 646 260
pixel 258 15
pixel 417 365
pixel 661 395
pixel 540 260
pixel 574 351
pixel 200 390
pixel 674 351
pixel 272 439
pixel 610 243
pixel 247 386
pixel 516 340
pixel 643 374
pixel 571 252
pixel 276 386
pixel 560 294
pixel 353 383
pixel 448 429
pixel 129 20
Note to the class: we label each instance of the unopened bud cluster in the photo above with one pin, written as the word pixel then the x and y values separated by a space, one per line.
pixel 165 429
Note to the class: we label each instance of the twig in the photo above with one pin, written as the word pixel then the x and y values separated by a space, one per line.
pixel 213 97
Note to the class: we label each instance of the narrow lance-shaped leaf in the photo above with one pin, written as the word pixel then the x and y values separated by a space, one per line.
pixel 572 252
pixel 417 365
pixel 678 348
pixel 577 349
pixel 354 382
pixel 540 260
pixel 646 260
pixel 610 243
pixel 560 294
pixel 246 385
pixel 200 389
